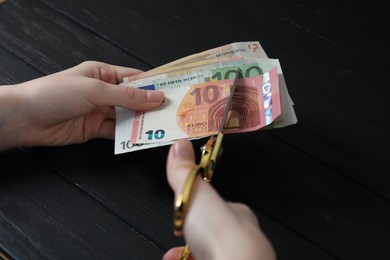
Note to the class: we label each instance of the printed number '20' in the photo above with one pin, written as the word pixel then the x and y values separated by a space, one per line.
pixel 210 94
pixel 158 134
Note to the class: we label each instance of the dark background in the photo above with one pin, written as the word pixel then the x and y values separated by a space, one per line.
pixel 320 188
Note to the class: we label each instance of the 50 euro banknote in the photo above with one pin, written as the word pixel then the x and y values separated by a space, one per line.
pixel 196 110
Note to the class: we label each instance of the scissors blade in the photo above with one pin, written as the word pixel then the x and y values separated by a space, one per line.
pixel 228 104
pixel 212 149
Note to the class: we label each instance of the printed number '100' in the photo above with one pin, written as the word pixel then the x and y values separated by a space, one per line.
pixel 158 134
pixel 244 71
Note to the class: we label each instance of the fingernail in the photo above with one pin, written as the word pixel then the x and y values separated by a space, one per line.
pixel 154 96
pixel 182 150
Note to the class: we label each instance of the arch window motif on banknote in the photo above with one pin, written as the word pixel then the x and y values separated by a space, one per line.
pixel 193 113
pixel 243 111
pixel 201 109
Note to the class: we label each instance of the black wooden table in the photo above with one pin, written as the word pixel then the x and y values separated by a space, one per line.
pixel 320 188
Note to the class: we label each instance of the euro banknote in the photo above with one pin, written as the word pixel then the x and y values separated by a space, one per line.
pixel 228 52
pixel 196 110
pixel 158 127
pixel 196 71
pixel 209 71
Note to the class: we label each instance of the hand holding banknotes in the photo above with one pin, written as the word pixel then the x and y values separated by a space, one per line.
pixel 214 228
pixel 68 107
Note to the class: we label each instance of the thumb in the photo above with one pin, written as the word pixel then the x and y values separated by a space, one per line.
pixel 212 226
pixel 129 97
pixel 205 200
pixel 181 159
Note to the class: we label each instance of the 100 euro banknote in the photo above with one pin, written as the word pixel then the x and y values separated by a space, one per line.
pixel 197 110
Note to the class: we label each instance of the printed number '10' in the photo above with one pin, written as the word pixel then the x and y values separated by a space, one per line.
pixel 126 144
pixel 158 134
pixel 210 94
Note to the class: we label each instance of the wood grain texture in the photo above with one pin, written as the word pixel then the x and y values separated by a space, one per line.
pixel 13 70
pixel 45 217
pixel 319 188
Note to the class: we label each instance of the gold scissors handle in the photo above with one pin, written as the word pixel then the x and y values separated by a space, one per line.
pixel 183 201
pixel 210 153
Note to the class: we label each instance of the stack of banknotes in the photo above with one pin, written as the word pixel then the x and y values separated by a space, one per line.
pixel 196 90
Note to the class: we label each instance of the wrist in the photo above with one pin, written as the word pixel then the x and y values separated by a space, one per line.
pixel 217 230
pixel 12 116
pixel 248 243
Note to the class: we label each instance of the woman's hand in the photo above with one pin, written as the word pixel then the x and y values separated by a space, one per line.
pixel 214 228
pixel 68 107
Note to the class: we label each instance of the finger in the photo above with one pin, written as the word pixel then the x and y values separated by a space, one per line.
pixel 106 72
pixel 204 199
pixel 101 86
pixel 115 74
pixel 126 97
pixel 175 253
pixel 106 130
pixel 181 158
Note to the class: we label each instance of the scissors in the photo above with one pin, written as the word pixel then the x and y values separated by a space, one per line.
pixel 210 152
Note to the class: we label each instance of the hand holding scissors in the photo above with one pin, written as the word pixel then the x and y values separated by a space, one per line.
pixel 210 224
pixel 213 227
pixel 210 153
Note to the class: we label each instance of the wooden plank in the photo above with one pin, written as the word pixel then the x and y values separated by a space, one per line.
pixel 341 73
pixel 19 244
pixel 44 217
pixel 288 243
pixel 126 185
pixel 340 90
pixel 136 190
pixel 121 196
pixel 14 70
pixel 310 198
pixel 50 42
pixel 326 102
pixel 145 31
pixel 318 204
pixel 355 27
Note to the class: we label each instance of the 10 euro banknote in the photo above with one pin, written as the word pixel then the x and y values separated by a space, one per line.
pixel 196 110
